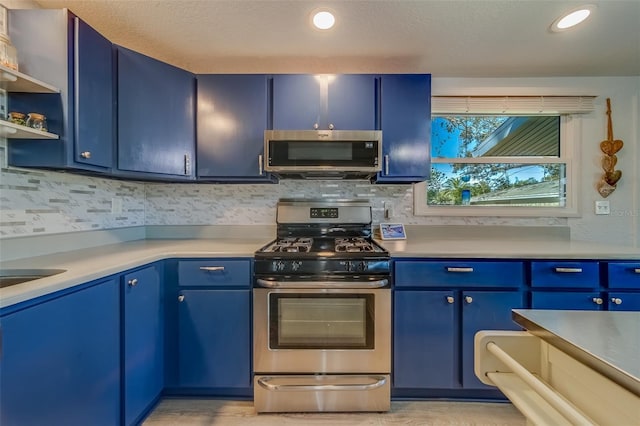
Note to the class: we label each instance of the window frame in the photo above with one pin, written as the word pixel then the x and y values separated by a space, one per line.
pixel 570 137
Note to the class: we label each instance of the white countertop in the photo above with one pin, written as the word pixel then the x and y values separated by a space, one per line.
pixel 607 341
pixel 92 263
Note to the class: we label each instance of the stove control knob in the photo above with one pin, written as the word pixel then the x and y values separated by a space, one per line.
pixel 278 265
pixel 295 265
pixel 361 266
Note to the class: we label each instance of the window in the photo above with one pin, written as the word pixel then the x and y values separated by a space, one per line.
pixel 500 156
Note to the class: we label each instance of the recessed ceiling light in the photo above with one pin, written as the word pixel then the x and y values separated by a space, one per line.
pixel 572 18
pixel 323 19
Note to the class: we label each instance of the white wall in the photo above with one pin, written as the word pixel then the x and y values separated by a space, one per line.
pixel 30 200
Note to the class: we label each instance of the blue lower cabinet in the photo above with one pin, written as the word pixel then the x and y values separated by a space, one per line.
pixel 618 301
pixel 581 300
pixel 424 331
pixel 214 339
pixel 484 310
pixel 434 334
pixel 60 361
pixel 143 351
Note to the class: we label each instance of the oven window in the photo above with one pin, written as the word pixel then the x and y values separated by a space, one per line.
pixel 321 321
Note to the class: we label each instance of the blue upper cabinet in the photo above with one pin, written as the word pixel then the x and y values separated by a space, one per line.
pixel 60 49
pixel 232 116
pixel 405 113
pixel 156 125
pixel 340 102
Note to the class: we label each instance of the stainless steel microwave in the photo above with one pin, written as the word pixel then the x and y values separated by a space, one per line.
pixel 323 154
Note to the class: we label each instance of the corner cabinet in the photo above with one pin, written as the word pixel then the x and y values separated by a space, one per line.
pixel 61 49
pixel 156 119
pixel 232 113
pixel 439 305
pixel 321 101
pixel 405 113
pixel 213 331
pixel 143 341
pixel 60 360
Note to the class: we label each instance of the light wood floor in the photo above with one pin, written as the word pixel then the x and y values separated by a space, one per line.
pixel 186 412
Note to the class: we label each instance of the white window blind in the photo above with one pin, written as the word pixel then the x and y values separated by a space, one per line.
pixel 512 105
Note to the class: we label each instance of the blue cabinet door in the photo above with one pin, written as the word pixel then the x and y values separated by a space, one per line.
pixel 214 339
pixel 60 49
pixel 308 101
pixel 406 127
pixel 60 360
pixel 232 117
pixel 156 125
pixel 424 336
pixel 627 301
pixel 582 300
pixel 93 100
pixel 484 310
pixel 142 341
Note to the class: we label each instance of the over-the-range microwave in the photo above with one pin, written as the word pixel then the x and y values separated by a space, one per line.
pixel 323 154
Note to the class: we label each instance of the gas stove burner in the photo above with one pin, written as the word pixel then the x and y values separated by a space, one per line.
pixel 353 245
pixel 292 245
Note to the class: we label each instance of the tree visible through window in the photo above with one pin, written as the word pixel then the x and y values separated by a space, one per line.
pixel 496 160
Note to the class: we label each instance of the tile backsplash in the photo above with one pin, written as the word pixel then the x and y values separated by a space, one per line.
pixel 36 202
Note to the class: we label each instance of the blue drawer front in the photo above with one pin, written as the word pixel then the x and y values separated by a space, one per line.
pixel 567 300
pixel 624 275
pixel 214 272
pixel 565 274
pixel 458 274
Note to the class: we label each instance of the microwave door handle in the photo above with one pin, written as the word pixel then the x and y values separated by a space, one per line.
pixel 322 284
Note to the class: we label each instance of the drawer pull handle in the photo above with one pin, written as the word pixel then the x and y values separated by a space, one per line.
pixel 568 270
pixel 616 300
pixel 212 268
pixel 133 282
pixel 597 300
pixel 450 300
pixel 637 270
pixel 181 298
pixel 468 299
pixel 454 269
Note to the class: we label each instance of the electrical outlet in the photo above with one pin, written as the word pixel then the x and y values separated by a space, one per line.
pixel 602 207
pixel 388 210
pixel 116 205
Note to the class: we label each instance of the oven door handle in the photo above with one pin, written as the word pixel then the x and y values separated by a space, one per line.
pixel 378 382
pixel 322 284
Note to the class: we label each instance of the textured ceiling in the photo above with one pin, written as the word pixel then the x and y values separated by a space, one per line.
pixel 452 38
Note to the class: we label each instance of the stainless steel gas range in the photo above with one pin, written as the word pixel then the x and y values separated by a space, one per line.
pixel 322 311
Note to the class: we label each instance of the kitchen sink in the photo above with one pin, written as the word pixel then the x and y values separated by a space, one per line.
pixel 9 277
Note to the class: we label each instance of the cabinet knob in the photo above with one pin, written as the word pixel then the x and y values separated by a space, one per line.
pixel 616 300
pixel 450 299
pixel 181 298
pixel 331 127
pixel 133 282
pixel 85 154
pixel 316 126
pixel 468 299
pixel 597 300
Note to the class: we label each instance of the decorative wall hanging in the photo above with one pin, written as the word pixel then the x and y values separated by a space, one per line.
pixel 609 147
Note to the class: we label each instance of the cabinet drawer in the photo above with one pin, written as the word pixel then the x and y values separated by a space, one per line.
pixel 214 272
pixel 458 273
pixel 565 274
pixel 623 275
